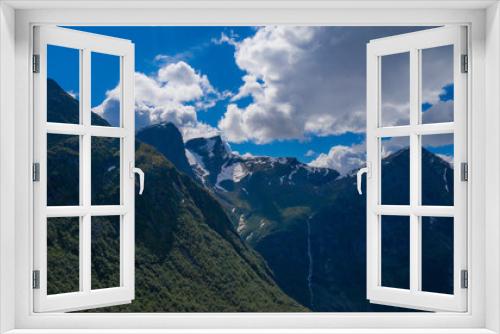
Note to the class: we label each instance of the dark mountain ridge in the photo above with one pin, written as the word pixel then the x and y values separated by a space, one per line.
pixel 167 139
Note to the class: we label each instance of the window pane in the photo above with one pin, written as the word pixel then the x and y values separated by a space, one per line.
pixel 63 259
pixel 106 89
pixel 395 251
pixel 395 95
pixel 437 254
pixel 105 171
pixel 105 252
pixel 395 170
pixel 63 84
pixel 63 166
pixel 437 169
pixel 437 84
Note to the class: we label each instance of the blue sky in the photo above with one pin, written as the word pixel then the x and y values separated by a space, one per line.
pixel 293 91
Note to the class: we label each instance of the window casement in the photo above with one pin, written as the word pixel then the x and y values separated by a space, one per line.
pixel 414 210
pixel 83 212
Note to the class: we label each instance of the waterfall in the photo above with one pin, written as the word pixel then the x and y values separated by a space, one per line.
pixel 310 263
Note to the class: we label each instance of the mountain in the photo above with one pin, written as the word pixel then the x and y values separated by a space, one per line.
pixel 167 139
pixel 338 232
pixel 189 258
pixel 63 108
pixel 208 157
pixel 217 166
pixel 260 194
pixel 269 200
pixel 306 221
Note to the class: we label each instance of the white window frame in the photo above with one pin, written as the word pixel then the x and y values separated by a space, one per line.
pixel 413 44
pixel 16 20
pixel 84 44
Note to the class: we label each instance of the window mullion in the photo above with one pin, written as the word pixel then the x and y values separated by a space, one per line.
pixel 85 168
pixel 415 235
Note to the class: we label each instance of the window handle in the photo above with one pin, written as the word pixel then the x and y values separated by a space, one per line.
pixel 138 171
pixel 361 171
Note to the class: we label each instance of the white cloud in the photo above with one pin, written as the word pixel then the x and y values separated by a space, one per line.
pixel 175 94
pixel 250 87
pixel 345 159
pixel 310 153
pixel 168 59
pixel 197 130
pixel 441 111
pixel 301 82
pixel 395 89
pixel 225 39
pixel 182 83
pixel 437 72
pixel 307 81
pixel 342 158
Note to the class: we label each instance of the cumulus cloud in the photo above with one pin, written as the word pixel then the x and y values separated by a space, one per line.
pixel 175 94
pixel 342 158
pixel 437 84
pixel 441 111
pixel 290 86
pixel 302 80
pixel 307 81
pixel 395 89
pixel 437 72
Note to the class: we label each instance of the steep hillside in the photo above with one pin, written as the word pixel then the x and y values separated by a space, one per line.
pixel 189 258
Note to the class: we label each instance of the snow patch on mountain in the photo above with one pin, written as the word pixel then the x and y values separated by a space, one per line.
pixel 241 224
pixel 196 162
pixel 262 223
pixel 209 147
pixel 246 156
pixel 446 158
pixel 234 172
